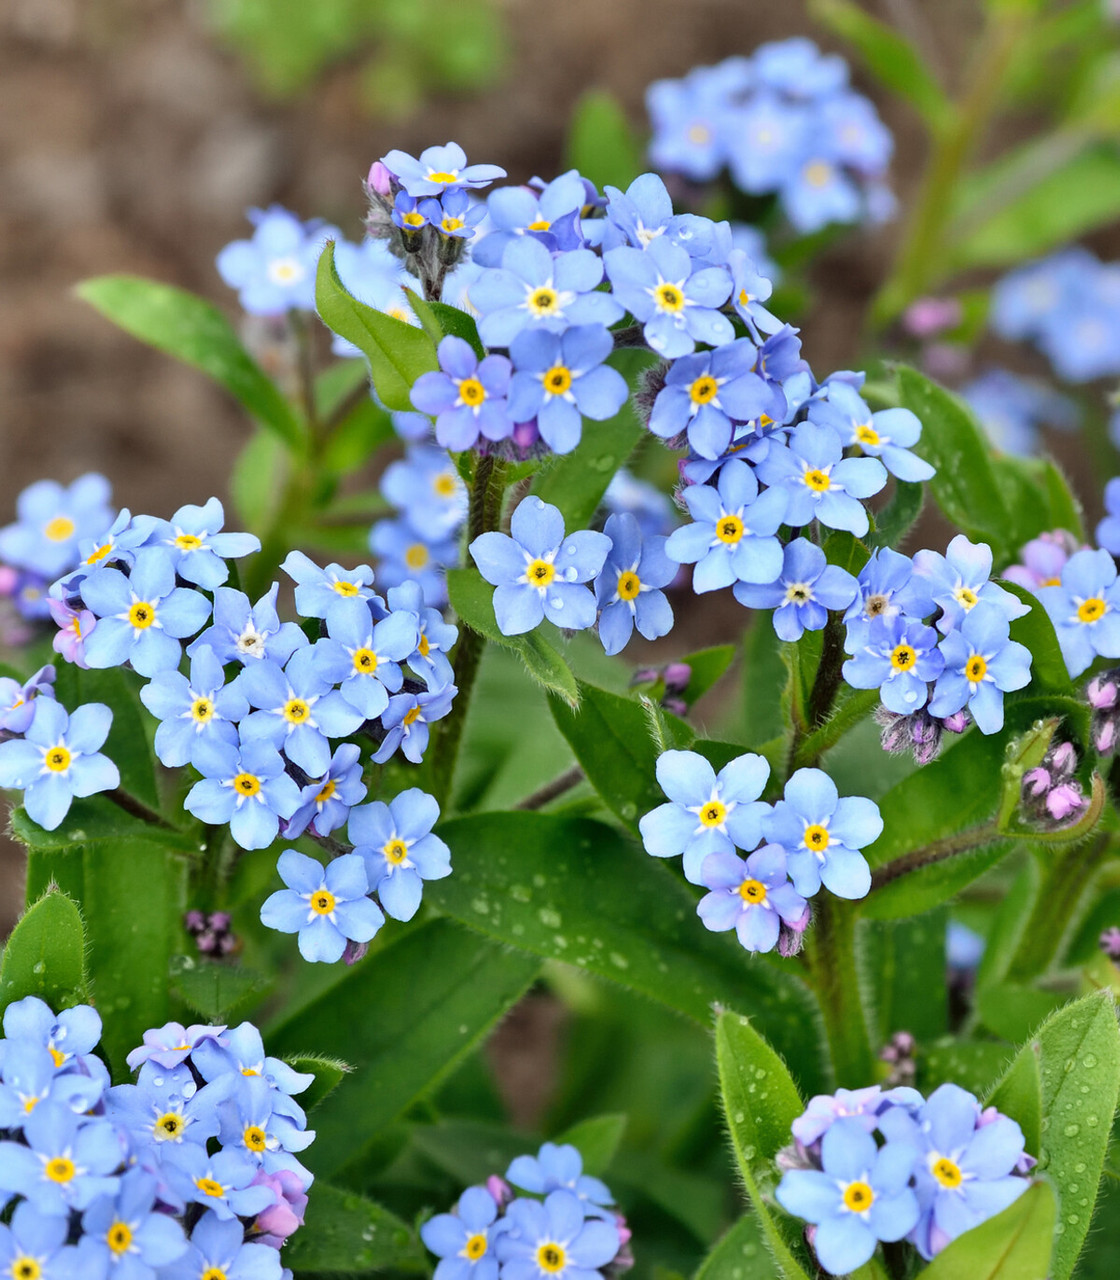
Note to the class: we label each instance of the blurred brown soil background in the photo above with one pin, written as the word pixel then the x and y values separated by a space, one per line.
pixel 130 140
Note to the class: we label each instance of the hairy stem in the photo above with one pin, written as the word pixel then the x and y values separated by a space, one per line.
pixel 136 809
pixel 830 956
pixel 551 790
pixel 936 851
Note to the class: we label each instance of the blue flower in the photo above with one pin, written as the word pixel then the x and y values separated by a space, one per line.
pixel 319 590
pixel 468 398
pixel 750 288
pixel 806 588
pixel 325 803
pixel 982 663
pixel 959 580
pixel 362 657
pixel 244 632
pixel 112 546
pixel 627 495
pixel 35 1245
pixel 125 1236
pixel 767 143
pixel 395 841
pixel 197 546
pixel 408 214
pixel 536 289
pixel 68 1161
pixel 897 656
pixel 629 587
pixel 59 759
pixel 429 660
pixel 406 721
pixel 731 538
pixel 690 118
pixel 172 1044
pixel 963 1171
pixel 192 710
pixel 864 1105
pixel 142 617
pixel 1085 609
pixel 221 1183
pixel 538 570
pixel 888 586
pixel 554 1240
pixel 454 215
pixel 240 1052
pixel 405 555
pixel 860 1196
pixel 707 812
pixel 298 711
pixel 426 487
pixel 645 212
pixel 53 521
pixel 18 701
pixel 676 304
pixel 561 379
pixel 30 1078
pixel 752 897
pixel 326 906
pixel 246 787
pixel 817 191
pixel 68 1035
pixel 886 435
pixel 218 1248
pixel 818 482
pixel 796 67
pixel 250 1124
pixel 706 392
pixel 463 1240
pixel 550 215
pixel 822 835
pixel 1108 529
pixel 558 1167
pixel 274 271
pixel 1011 409
pixel 166 1106
pixel 439 169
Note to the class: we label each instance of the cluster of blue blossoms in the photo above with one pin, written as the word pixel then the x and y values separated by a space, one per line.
pixel 784 121
pixel 563 1229
pixel 810 837
pixel 261 715
pixel 188 1174
pixel 944 1166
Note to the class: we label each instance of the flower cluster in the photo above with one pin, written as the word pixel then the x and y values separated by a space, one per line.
pixel 944 1166
pixel 810 837
pixel 1052 796
pixel 1012 409
pixel 784 122
pixel 563 1229
pixel 191 1171
pixel 274 270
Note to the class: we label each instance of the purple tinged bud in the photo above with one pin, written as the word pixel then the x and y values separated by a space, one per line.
pixel 675 705
pixel 1063 760
pixel 958 722
pixel 355 951
pixel 526 435
pixel 904 1042
pixel 380 180
pixel 1104 737
pixel 1065 801
pixel 219 920
pixel 928 317
pixel 1109 943
pixel 1102 691
pixel 194 921
pixel 677 676
pixel 1036 782
pixel 645 675
pixel 500 1191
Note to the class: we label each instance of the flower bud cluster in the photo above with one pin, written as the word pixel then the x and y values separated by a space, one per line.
pixel 1052 796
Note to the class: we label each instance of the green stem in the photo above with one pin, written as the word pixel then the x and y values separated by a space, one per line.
pixel 136 809
pixel 936 851
pixel 830 956
pixel 826 685
pixel 1066 876
pixel 852 711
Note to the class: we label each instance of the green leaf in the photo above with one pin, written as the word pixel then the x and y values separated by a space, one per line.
pixel 352 444
pixel 760 1103
pixel 601 144
pixel 764 676
pixel 213 988
pixel 576 890
pixel 889 56
pixel 1037 496
pixel 707 666
pixel 973 1064
pixel 45 955
pixel 576 482
pixel 740 1254
pixel 899 516
pixel 398 353
pixel 403 1018
pixel 1036 631
pixel 900 956
pixel 442 320
pixel 347 1234
pixel 1014 1245
pixel 1019 1095
pixel 95 819
pixel 329 1073
pixel 192 330
pixel 257 479
pixel 597 1140
pixel 472 599
pixel 1013 1010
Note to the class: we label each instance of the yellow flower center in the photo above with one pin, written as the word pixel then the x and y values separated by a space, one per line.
pixel 142 615
pixel 966 598
pixel 669 297
pixel 699 134
pixel 202 709
pixel 285 271
pixel 57 759
pixel 168 1127
pixel 213 1273
pixel 100 554
pixel 729 529
pixel 818 173
pixel 744 298
pixel 1051 582
pixel 818 481
pixel 753 891
pixel 188 542
pixel 472 392
pixel 249 1071
pixel 119 1237
pixel 56 1057
pixel 254 1138
pixel 365 662
pixel 345 588
pixel 59 529
pixel 858 1197
pixel 903 657
pixel 866 434
pixel 446 484
pixel 703 390
pixel 395 851
pixel 452 224
pixel 541 224
pixel 424 647
pixel 543 301
pixel 975 668
pixel 322 902
pixel 25 1268
pixel 713 814
pixel 246 784
pixel 417 556
pixel 440 175
pixel 296 711
pixel 1092 609
pixel 947 1172
pixel 816 838
pixel 413 218
pixel 540 573
pixel 558 380
pixel 551 1257
pixel 209 1187
pixel 411 716
pixel 60 1169
pixel 328 790
pixel 629 585
pixel 475 1247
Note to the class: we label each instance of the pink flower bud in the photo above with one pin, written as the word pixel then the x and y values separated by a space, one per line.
pixel 9 580
pixel 929 316
pixel 677 676
pixel 958 722
pixel 500 1191
pixel 1063 759
pixel 1065 801
pixel 277 1223
pixel 1102 691
pixel 355 951
pixel 1104 737
pixel 1110 943
pixel 1036 782
pixel 380 179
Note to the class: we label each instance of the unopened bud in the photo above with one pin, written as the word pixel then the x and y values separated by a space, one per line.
pixel 354 952
pixel 1036 782
pixel 1104 737
pixel 500 1191
pixel 1064 801
pixel 1063 760
pixel 958 722
pixel 677 676
pixel 380 180
pixel 1102 691
pixel 1109 943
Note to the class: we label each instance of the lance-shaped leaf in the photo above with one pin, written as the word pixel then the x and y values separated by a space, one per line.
pixel 1013 1245
pixel 45 955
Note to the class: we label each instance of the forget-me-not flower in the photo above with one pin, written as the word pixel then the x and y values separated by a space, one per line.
pixel 247 787
pixel 1085 609
pixel 198 548
pixel 554 1240
pixel 752 896
pixel 189 710
pixel 960 579
pixel 896 655
pixel 244 632
pixel 274 270
pixel 629 588
pixel 887 435
pixel 400 852
pixel 326 906
pixel 468 397
pixel 439 169
pixel 806 587
pixel 463 1241
pixel 53 521
pixel 982 663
